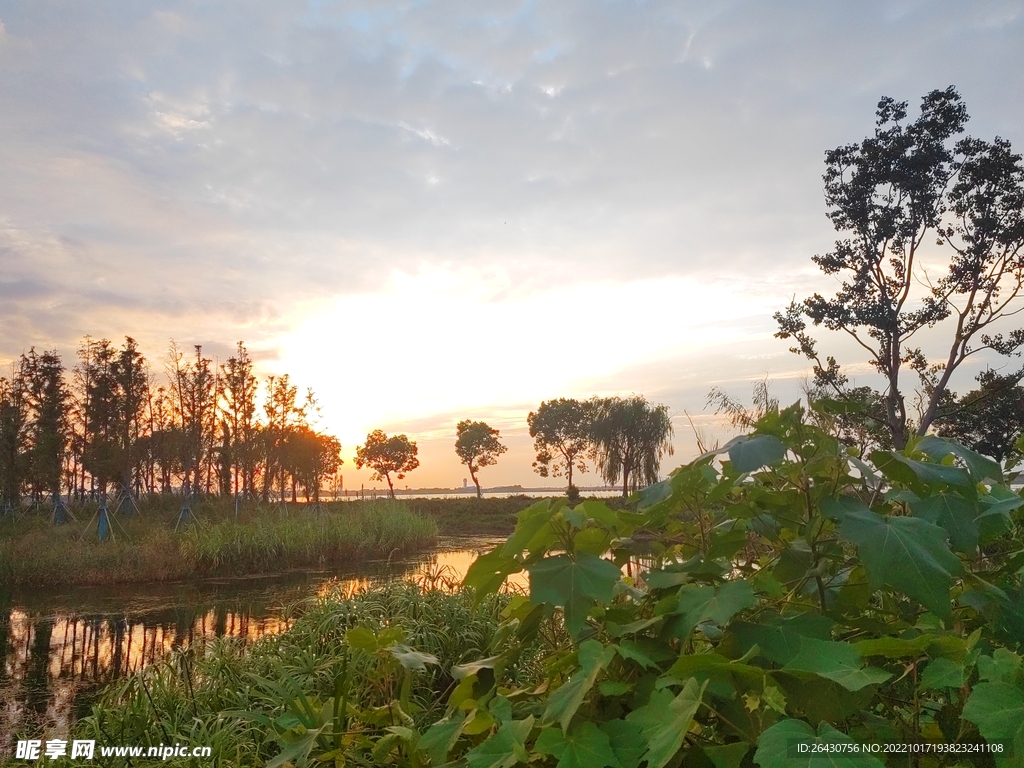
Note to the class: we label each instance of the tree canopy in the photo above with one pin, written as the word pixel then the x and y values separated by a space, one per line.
pixel 630 436
pixel 562 437
pixel 891 196
pixel 477 445
pixel 989 419
pixel 387 456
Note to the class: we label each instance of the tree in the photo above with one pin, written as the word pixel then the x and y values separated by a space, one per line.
pixel 989 419
pixel 311 458
pixel 238 395
pixel 890 196
pixel 47 422
pixel 562 436
pixel 193 390
pixel 630 436
pixel 13 438
pixel 387 456
pixel 477 446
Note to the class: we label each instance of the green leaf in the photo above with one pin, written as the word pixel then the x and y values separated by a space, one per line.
pixel 438 740
pixel 779 639
pixel 727 755
pixel 955 514
pixel 905 553
pixel 489 571
pixel 593 658
pixel 1002 666
pixel 980 467
pixel 627 742
pixel 750 453
pixel 942 673
pixel 894 466
pixel 504 749
pixel 894 647
pixel 412 659
pixel 666 721
pixel 647 655
pixel 998 711
pixel 586 747
pixel 361 639
pixel 718 604
pixel 529 522
pixel 836 661
pixel 777 748
pixel 575 585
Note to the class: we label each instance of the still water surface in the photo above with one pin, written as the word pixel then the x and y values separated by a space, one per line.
pixel 59 646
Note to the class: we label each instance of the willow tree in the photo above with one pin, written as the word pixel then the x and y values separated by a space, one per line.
pixel 892 196
pixel 630 437
pixel 477 446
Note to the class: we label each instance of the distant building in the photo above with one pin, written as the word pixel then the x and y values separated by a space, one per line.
pixel 464 482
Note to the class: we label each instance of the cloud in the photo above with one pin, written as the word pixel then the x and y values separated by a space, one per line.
pixel 224 168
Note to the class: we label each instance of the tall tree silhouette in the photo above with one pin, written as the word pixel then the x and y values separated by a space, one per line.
pixel 477 446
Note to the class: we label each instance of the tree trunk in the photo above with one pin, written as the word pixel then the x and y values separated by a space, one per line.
pixel 391 488
pixel 476 482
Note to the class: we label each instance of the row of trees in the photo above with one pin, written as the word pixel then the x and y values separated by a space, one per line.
pixel 625 438
pixel 110 425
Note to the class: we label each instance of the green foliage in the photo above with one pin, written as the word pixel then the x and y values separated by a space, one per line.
pixel 477 445
pixel 341 684
pixel 775 591
pixel 912 184
pixel 387 456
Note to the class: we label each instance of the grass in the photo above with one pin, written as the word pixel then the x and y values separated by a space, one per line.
pixel 260 539
pixel 239 699
pixel 146 547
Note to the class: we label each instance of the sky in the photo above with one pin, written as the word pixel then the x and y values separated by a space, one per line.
pixel 436 211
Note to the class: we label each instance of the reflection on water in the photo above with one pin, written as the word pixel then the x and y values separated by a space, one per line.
pixel 59 646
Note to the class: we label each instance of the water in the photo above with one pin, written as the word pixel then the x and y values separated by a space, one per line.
pixel 59 646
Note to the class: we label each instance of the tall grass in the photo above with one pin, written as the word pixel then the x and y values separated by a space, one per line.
pixel 377 529
pixel 146 547
pixel 236 699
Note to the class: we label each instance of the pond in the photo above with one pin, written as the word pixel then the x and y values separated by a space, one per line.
pixel 60 646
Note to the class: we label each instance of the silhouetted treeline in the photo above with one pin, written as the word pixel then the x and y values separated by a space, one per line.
pixel 111 425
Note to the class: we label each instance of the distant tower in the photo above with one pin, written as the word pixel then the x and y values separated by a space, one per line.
pixel 464 482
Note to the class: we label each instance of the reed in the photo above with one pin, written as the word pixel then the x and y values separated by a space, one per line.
pixel 238 699
pixel 260 539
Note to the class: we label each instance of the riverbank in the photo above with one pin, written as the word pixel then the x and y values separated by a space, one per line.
pixel 145 546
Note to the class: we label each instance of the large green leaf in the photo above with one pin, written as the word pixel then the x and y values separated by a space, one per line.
pixel 904 553
pixel 913 473
pixel 778 748
pixel 438 740
pixel 529 523
pixel 942 673
pixel 837 661
pixel 665 721
pixel 750 453
pixel 585 747
pixel 955 514
pixel 697 605
pixel 980 467
pixel 504 748
pixel 780 639
pixel 998 711
pixel 575 585
pixel 627 740
pixel 488 572
pixel 593 657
